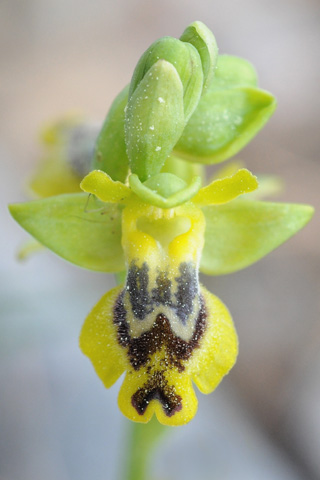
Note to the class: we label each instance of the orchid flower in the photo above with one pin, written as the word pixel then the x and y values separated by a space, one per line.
pixel 145 211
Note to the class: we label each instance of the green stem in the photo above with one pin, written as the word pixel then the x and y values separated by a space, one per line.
pixel 142 439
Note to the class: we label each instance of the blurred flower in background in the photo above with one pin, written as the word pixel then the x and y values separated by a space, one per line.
pixel 265 421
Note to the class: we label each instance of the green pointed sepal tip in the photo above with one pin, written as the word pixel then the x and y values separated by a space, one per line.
pixel 164 190
pixel 199 35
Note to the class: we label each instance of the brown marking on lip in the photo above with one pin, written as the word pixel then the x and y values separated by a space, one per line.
pixel 157 388
pixel 141 349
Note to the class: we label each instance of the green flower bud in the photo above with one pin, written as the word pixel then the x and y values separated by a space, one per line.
pixel 185 59
pixel 198 35
pixel 154 119
pixel 110 152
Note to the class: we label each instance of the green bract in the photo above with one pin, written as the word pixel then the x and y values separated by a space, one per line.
pixel 224 122
pixel 228 116
pixel 233 72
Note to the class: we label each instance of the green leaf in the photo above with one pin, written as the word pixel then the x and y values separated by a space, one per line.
pixel 154 119
pixel 185 58
pixel 110 152
pixel 203 40
pixel 241 232
pixel 84 234
pixel 223 123
pixel 233 72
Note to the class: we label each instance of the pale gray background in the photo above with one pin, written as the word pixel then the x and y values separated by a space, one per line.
pixel 56 420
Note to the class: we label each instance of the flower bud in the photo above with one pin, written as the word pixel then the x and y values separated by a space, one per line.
pixel 110 152
pixel 154 119
pixel 198 35
pixel 185 59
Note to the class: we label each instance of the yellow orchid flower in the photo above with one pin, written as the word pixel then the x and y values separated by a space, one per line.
pixel 185 106
pixel 162 327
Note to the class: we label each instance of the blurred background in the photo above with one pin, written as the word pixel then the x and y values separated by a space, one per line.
pixel 56 420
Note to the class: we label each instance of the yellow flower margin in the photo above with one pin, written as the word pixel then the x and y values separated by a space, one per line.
pixel 161 327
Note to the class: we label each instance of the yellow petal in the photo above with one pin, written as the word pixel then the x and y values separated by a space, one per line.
pixel 98 340
pixel 226 189
pixel 100 184
pixel 219 346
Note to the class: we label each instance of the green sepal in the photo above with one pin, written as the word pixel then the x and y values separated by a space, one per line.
pixel 164 190
pixel 110 151
pixel 233 72
pixel 154 119
pixel 87 235
pixel 241 232
pixel 203 40
pixel 223 123
pixel 185 58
